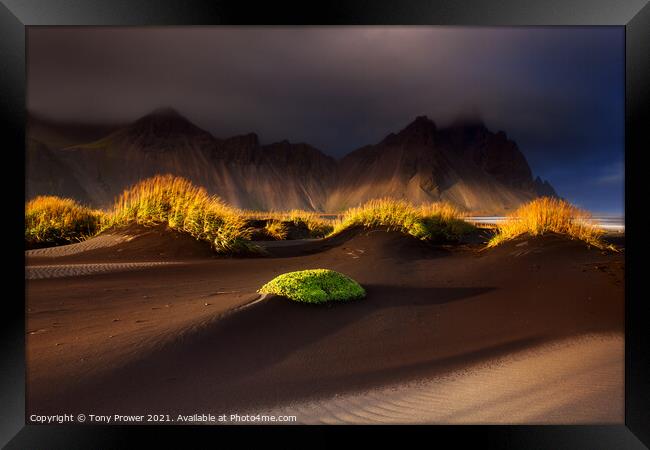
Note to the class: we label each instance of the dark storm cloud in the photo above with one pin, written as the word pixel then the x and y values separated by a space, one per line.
pixel 557 91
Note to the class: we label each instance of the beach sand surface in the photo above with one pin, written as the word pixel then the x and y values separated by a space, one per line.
pixel 530 331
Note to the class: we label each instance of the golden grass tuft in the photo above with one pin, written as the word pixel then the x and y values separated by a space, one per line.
pixel 549 215
pixel 175 201
pixel 433 222
pixel 55 220
pixel 276 229
pixel 317 226
pixel 312 221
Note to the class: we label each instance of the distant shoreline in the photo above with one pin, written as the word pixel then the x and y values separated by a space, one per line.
pixel 608 223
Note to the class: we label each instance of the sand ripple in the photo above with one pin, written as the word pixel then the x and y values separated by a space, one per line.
pixel 573 381
pixel 75 270
pixel 102 241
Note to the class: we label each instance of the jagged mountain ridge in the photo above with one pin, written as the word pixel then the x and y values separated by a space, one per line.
pixel 465 164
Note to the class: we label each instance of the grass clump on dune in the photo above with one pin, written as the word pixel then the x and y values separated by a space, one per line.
pixel 51 220
pixel 276 229
pixel 175 201
pixel 549 215
pixel 316 226
pixel 435 222
pixel 314 286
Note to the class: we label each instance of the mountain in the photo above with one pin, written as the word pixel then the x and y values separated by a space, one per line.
pixel 239 169
pixel 465 164
pixel 47 174
pixel 544 188
pixel 276 176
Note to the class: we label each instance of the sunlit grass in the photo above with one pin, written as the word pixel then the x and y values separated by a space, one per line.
pixel 175 201
pixel 433 222
pixel 276 229
pixel 281 220
pixel 51 220
pixel 549 215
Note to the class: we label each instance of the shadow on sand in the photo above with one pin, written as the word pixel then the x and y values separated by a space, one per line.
pixel 230 352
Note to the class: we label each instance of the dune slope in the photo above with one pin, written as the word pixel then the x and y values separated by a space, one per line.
pixel 429 311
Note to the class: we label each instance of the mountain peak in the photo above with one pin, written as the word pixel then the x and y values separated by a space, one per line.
pixel 420 131
pixel 164 123
pixel 420 124
pixel 165 116
pixel 165 112
pixel 543 188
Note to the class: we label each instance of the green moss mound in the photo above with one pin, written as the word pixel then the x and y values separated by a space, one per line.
pixel 314 286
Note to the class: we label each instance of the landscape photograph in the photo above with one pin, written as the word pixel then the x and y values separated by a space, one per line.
pixel 235 225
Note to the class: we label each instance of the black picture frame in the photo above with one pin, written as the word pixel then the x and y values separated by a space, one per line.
pixel 634 15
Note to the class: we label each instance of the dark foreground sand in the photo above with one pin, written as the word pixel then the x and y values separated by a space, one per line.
pixel 528 332
pixel 574 380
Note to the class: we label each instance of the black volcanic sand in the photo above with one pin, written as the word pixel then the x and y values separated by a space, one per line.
pixel 157 340
pixel 147 243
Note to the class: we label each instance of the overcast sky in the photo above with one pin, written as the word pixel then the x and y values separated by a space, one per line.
pixel 558 92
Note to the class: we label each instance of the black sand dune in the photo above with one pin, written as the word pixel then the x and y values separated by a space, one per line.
pixel 157 339
pixel 125 244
